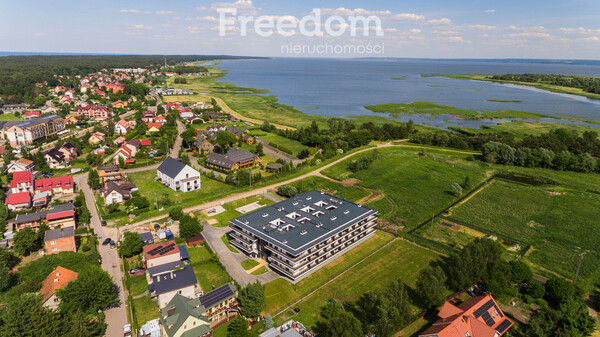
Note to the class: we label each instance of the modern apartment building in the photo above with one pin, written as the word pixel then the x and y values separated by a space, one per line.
pixel 300 235
pixel 25 133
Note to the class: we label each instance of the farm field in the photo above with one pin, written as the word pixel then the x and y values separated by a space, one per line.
pixel 560 223
pixel 415 187
pixel 399 260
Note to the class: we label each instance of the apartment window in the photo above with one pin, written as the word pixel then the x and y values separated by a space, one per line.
pixel 55 249
pixel 467 334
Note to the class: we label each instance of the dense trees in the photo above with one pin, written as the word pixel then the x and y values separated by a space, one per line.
pixel 587 84
pixel 132 244
pixel 94 179
pixel 238 328
pixel 93 290
pixel 431 286
pixel 25 240
pixel 287 191
pixel 476 261
pixel 252 299
pixel 341 324
pixel 176 213
pixel 189 226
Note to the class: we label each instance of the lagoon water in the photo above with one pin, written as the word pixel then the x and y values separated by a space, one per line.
pixel 342 87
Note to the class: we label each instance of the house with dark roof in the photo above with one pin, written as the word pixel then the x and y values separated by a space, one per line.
pixel 301 234
pixel 219 302
pixel 147 237
pixel 178 176
pixel 32 220
pixel 234 159
pixel 476 317
pixel 114 193
pixel 166 285
pixel 60 240
pixel 109 173
pixel 184 317
pixel 56 159
pixel 69 151
pixel 57 279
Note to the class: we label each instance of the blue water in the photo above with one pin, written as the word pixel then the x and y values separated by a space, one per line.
pixel 342 87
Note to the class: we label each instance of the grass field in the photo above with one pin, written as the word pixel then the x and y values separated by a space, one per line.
pixel 281 293
pixel 137 285
pixel 145 309
pixel 415 187
pixel 291 144
pixel 456 237
pixel 399 260
pixel 351 193
pixel 249 264
pixel 260 271
pixel 560 223
pixel 521 128
pixel 9 116
pixel 230 209
pixel 208 273
pixel 423 107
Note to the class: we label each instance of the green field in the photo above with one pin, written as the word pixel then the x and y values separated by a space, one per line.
pixel 456 237
pixel 260 271
pixel 230 209
pixel 351 193
pixel 399 260
pixel 291 144
pixel 422 107
pixel 280 293
pixel 415 187
pixel 208 273
pixel 249 264
pixel 560 223
pixel 9 116
pixel 137 285
pixel 145 309
pixel 521 128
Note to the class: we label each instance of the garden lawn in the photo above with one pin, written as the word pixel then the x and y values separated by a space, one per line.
pixel 137 285
pixel 293 145
pixel 249 264
pixel 145 309
pixel 230 209
pixel 560 223
pixel 225 240
pixel 281 293
pixel 210 274
pixel 260 271
pixel 399 260
pixel 198 254
pixel 415 187
pixel 350 193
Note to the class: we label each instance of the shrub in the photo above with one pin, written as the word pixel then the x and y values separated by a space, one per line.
pixel 287 191
pixel 85 248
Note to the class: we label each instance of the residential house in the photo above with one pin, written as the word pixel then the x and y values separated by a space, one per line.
pixel 31 220
pixel 148 117
pixel 160 119
pixel 476 317
pixel 95 112
pixel 147 237
pixel 22 182
pixel 122 127
pixel 19 165
pixel 18 201
pixel 30 114
pixel 119 105
pixel 162 253
pixel 48 109
pixel 145 142
pixel 56 159
pixel 119 141
pixel 116 194
pixel 41 199
pixel 218 302
pixel 69 150
pixel 134 145
pixel 96 138
pixel 60 240
pixel 166 285
pixel 204 146
pixel 184 317
pixel 154 127
pixel 178 176
pixel 216 128
pixel 185 113
pixel 14 107
pixel 109 173
pixel 57 279
pixel 61 216
pixel 127 151
pixel 234 159
pixel 55 185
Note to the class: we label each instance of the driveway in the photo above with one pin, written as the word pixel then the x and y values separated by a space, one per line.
pixel 116 317
pixel 232 261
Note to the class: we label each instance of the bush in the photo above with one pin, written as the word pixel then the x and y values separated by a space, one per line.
pixel 287 191
pixel 85 248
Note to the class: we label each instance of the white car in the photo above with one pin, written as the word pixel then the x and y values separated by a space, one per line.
pixel 127 330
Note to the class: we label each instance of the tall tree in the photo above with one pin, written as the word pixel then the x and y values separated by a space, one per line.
pixel 132 244
pixel 93 290
pixel 238 328
pixel 252 299
pixel 344 324
pixel 189 226
pixel 25 240
pixel 431 286
pixel 94 179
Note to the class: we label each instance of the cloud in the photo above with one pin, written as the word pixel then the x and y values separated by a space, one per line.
pixel 166 25
pixel 40 35
pixel 207 18
pixel 202 8
pixel 415 30
pixel 244 7
pixel 147 12
pixel 165 13
pixel 141 27
pixel 482 27
pixel 438 22
pixel 457 39
pixel 530 35
pixel 352 12
pixel 591 39
pixel 131 11
pixel 408 17
pixel 490 11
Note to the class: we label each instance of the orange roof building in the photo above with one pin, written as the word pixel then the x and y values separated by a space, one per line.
pixel 477 317
pixel 57 279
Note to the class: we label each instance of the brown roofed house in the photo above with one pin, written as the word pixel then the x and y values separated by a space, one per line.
pixel 57 279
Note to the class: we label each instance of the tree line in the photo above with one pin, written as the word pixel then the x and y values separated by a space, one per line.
pixel 587 84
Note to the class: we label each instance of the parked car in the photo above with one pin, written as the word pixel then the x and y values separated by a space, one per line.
pixel 112 244
pixel 48 175
pixel 127 330
pixel 103 223
pixel 133 270
pixel 106 241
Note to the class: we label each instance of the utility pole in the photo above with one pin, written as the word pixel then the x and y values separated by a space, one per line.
pixel 578 266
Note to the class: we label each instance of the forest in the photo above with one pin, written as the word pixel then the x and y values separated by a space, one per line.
pixel 587 84
pixel 19 74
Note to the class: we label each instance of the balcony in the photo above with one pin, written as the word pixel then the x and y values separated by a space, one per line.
pixel 241 247
pixel 241 238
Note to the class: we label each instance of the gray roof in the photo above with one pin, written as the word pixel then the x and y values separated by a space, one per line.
pixel 109 168
pixel 55 154
pixel 61 208
pixel 275 333
pixel 171 167
pixel 165 267
pixel 183 253
pixel 219 160
pixel 59 233
pixel 167 282
pixel 146 236
pixel 31 217
pixel 294 224
pixel 240 156
pixel 111 186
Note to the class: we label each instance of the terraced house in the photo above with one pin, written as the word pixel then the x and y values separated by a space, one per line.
pixel 25 133
pixel 300 235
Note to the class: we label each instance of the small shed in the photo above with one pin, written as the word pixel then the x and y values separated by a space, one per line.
pixel 147 237
pixel 197 240
pixel 274 167
pixel 183 253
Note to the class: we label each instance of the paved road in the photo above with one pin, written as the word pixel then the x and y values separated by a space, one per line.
pixel 231 261
pixel 116 317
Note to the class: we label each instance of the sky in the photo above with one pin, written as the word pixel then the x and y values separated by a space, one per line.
pixel 568 29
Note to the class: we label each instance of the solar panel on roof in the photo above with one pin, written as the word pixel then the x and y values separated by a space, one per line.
pixel 484 308
pixel 216 296
pixel 503 326
pixel 488 319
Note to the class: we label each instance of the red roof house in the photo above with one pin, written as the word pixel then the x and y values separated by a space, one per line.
pixel 161 253
pixel 145 142
pixel 22 182
pixel 477 317
pixel 18 201
pixel 57 279
pixel 55 185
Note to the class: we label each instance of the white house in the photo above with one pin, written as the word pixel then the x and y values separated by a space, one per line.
pixel 178 176
pixel 122 127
